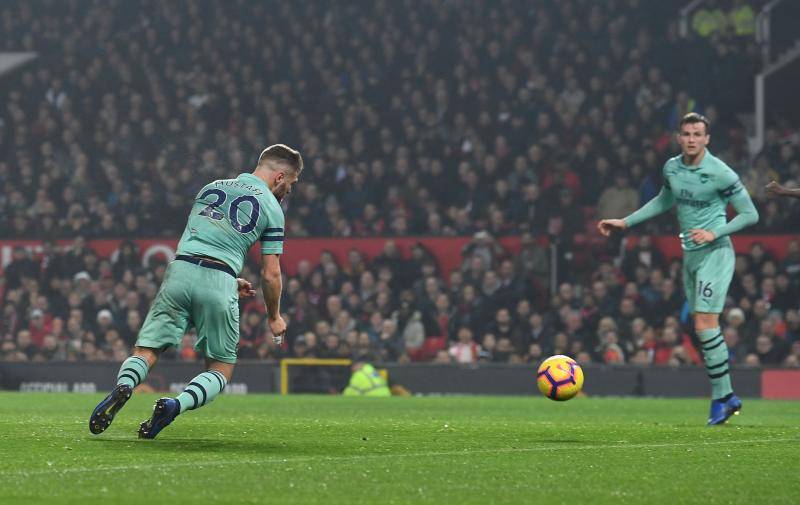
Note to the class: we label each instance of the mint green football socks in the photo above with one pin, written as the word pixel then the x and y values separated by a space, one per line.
pixel 715 354
pixel 132 372
pixel 201 390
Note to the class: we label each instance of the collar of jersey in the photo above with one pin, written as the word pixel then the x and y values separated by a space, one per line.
pixel 257 180
pixel 703 164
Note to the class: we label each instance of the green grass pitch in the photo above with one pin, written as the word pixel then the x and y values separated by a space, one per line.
pixel 317 449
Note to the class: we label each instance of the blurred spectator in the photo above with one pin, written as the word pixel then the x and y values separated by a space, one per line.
pixel 465 350
pixel 709 19
pixel 619 200
pixel 125 144
pixel 742 19
pixel 516 134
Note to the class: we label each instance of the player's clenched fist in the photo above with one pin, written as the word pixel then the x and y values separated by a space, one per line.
pixel 278 328
pixel 606 226
pixel 244 288
pixel 775 189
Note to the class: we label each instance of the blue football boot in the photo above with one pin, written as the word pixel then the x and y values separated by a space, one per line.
pixel 723 409
pixel 164 412
pixel 103 414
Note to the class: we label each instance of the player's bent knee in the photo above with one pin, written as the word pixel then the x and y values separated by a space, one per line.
pixel 148 353
pixel 705 321
pixel 225 369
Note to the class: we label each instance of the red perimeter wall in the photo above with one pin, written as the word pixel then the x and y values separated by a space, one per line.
pixel 780 384
pixel 776 244
pixel 447 250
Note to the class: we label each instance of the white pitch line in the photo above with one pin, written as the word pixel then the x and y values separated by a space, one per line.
pixel 326 459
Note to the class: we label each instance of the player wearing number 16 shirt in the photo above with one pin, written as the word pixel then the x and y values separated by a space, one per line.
pixel 701 186
pixel 201 288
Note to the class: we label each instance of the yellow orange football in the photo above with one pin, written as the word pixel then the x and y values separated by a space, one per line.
pixel 559 377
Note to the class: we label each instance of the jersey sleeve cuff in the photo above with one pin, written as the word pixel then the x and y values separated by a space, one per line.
pixel 717 232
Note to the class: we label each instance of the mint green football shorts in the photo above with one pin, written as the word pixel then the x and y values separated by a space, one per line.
pixel 707 273
pixel 192 295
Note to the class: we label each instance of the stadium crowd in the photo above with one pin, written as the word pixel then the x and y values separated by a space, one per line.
pixel 70 305
pixel 521 109
pixel 530 118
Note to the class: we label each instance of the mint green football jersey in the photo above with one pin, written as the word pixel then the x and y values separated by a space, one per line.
pixel 229 216
pixel 701 194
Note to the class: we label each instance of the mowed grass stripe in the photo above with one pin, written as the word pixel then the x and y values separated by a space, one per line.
pixel 389 455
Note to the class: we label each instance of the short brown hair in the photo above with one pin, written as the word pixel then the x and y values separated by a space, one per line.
pixel 694 117
pixel 283 154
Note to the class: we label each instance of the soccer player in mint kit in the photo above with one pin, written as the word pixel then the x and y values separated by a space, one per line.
pixel 200 287
pixel 701 186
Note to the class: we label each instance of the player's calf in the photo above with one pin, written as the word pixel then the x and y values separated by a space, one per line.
pixel 202 390
pixel 133 371
pixel 716 358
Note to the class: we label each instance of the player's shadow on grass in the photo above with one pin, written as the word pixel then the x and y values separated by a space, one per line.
pixel 195 445
pixel 215 445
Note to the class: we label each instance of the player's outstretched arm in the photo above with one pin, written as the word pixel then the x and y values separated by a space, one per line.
pixel 661 203
pixel 774 189
pixel 271 286
pixel 608 226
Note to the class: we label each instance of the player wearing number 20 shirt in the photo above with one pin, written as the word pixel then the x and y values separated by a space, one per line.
pixel 229 216
pixel 201 288
pixel 702 186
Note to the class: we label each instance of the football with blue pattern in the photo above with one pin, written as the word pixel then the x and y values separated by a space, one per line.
pixel 559 378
